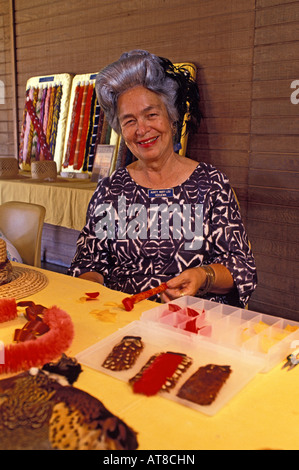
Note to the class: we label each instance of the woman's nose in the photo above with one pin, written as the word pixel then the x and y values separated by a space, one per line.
pixel 142 127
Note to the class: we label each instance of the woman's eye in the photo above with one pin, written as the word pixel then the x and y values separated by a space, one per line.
pixel 128 123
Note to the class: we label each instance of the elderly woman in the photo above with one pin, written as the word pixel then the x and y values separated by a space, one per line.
pixel 163 218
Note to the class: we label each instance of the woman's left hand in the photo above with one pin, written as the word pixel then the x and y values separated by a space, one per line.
pixel 186 283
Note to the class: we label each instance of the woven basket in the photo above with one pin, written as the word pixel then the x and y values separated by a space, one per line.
pixel 8 167
pixel 44 170
pixel 5 264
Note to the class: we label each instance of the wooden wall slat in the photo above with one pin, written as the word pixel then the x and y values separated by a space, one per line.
pixel 273 214
pixel 272 161
pixel 282 126
pixel 273 90
pixel 6 109
pixel 277 13
pixel 275 143
pixel 270 3
pixel 276 196
pixel 277 33
pixel 287 70
pixel 274 179
pixel 276 52
pixel 275 107
pixel 278 232
pixel 287 251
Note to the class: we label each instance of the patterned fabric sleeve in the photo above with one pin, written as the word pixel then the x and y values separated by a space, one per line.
pixel 230 246
pixel 92 254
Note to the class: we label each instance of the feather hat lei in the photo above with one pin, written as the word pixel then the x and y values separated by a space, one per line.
pixel 46 335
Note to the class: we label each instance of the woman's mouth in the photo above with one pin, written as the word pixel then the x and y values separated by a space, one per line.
pixel 148 142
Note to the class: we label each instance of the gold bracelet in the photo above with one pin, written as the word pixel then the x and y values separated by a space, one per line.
pixel 210 280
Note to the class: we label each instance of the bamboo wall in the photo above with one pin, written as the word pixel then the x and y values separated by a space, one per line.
pixel 247 54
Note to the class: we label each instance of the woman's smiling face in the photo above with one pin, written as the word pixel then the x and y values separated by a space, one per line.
pixel 145 124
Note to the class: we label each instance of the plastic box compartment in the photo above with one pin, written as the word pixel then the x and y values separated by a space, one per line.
pixel 156 340
pixel 269 338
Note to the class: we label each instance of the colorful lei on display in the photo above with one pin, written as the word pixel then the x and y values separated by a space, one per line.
pixel 38 128
pixel 45 336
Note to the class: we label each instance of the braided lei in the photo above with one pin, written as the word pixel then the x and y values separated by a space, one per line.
pixel 45 336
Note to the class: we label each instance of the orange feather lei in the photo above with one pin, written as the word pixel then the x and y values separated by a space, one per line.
pixel 44 344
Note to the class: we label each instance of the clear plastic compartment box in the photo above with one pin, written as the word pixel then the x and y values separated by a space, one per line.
pixel 209 333
pixel 269 338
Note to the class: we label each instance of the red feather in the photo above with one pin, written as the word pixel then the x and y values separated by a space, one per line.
pixel 8 310
pixel 152 379
pixel 174 307
pixel 92 295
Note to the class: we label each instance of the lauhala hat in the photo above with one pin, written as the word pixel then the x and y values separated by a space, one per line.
pixel 18 281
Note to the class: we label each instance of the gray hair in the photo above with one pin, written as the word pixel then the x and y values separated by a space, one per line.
pixel 135 68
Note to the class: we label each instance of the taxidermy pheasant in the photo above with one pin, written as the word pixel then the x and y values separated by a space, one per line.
pixel 41 410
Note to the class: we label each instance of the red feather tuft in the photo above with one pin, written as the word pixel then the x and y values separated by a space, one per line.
pixel 8 309
pixel 92 295
pixel 152 379
pixel 173 307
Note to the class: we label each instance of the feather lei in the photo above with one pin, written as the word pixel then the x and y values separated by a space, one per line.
pixel 42 348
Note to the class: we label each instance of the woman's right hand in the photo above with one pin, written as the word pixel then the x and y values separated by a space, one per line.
pixel 186 283
pixel 92 276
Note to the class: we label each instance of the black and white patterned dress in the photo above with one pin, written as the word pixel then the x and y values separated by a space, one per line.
pixel 127 239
